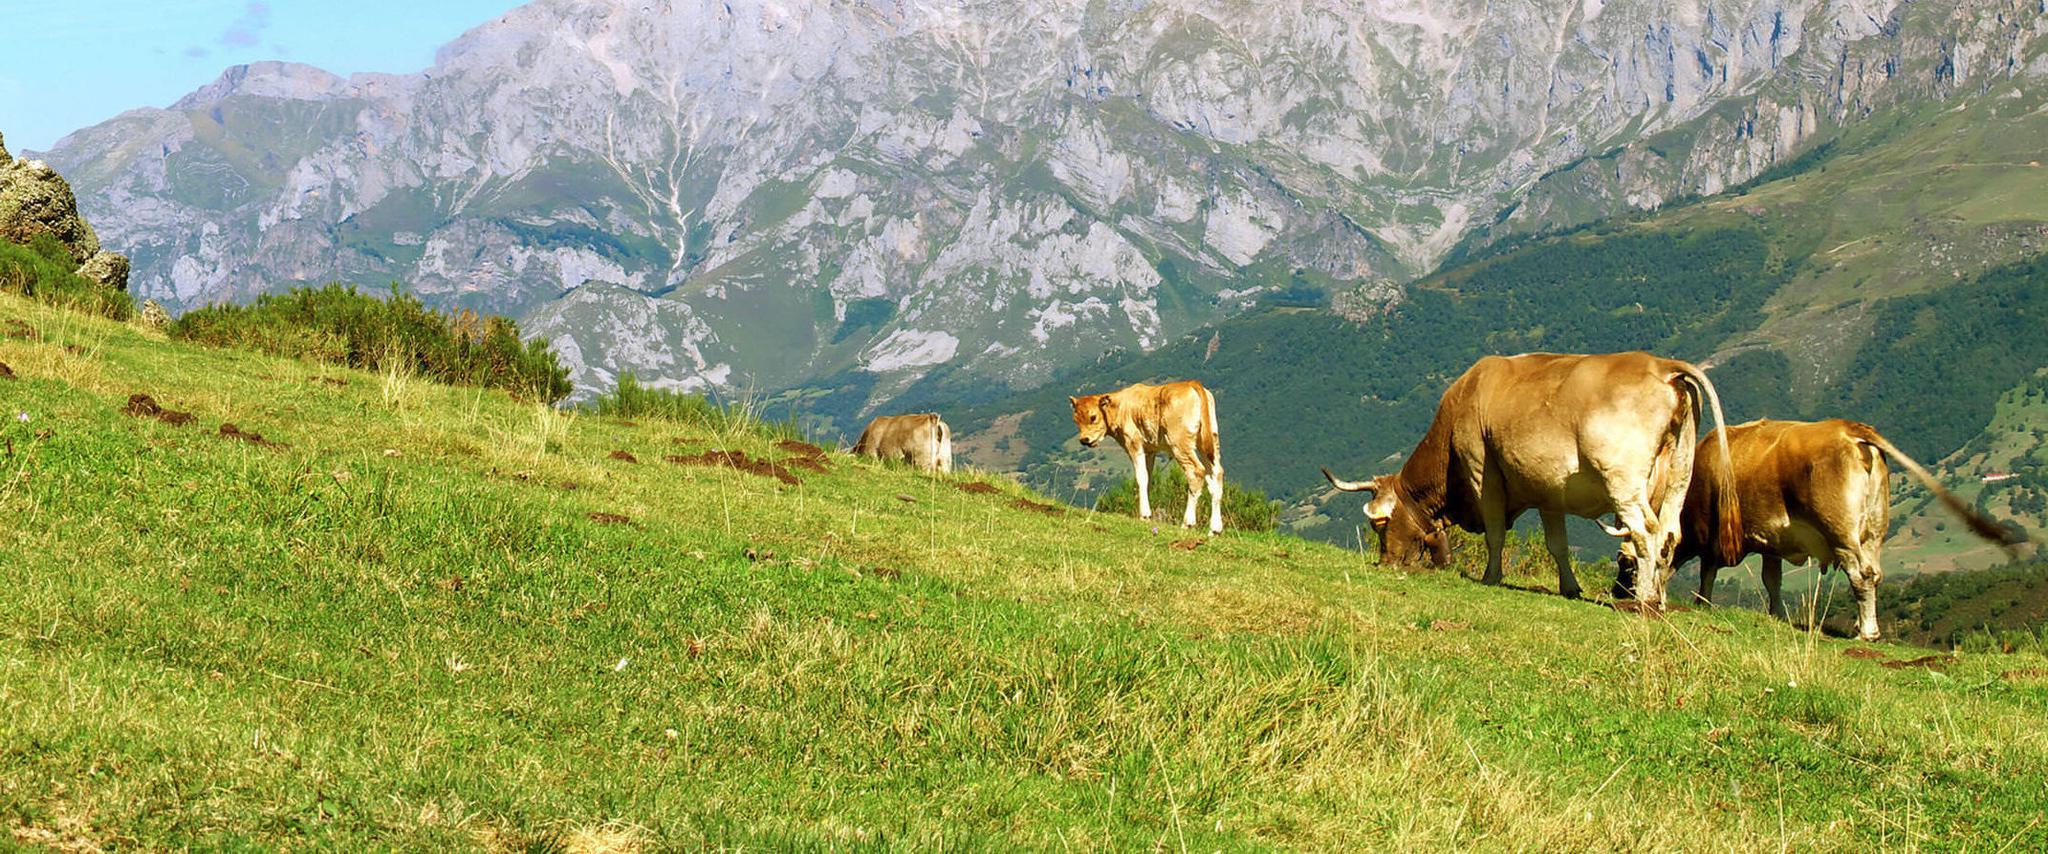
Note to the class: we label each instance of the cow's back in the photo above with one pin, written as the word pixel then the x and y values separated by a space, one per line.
pixel 1550 422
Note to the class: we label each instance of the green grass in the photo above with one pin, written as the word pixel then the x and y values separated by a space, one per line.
pixel 44 271
pixel 211 644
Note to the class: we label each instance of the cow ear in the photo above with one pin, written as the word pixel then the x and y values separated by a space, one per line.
pixel 1103 401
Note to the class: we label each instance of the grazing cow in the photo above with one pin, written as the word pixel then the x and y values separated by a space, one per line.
pixel 1808 490
pixel 921 440
pixel 1178 418
pixel 1584 435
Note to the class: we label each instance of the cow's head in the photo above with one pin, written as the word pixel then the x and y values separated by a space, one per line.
pixel 1407 536
pixel 1092 416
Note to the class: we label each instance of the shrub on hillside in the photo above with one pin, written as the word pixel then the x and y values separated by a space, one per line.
pixel 44 271
pixel 339 324
pixel 1243 509
pixel 632 399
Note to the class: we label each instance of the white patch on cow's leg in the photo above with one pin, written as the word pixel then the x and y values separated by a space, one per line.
pixel 1863 576
pixel 1650 577
pixel 1215 481
pixel 1774 580
pixel 1561 553
pixel 1141 462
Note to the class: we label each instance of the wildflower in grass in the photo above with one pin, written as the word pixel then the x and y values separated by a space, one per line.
pixel 21 417
pixel 456 664
pixel 619 667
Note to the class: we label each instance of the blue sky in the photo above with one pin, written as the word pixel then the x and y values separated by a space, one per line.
pixel 68 64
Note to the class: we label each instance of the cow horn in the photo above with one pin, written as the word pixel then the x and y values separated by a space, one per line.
pixel 1614 530
pixel 1349 486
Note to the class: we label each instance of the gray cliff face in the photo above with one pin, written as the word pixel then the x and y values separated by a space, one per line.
pixel 764 193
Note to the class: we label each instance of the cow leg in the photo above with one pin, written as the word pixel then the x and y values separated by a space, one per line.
pixel 1774 581
pixel 1141 463
pixel 1190 469
pixel 1707 574
pixel 1561 552
pixel 1650 576
pixel 1624 582
pixel 1215 481
pixel 1496 519
pixel 1864 574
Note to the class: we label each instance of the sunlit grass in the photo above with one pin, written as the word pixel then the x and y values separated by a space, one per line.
pixel 404 628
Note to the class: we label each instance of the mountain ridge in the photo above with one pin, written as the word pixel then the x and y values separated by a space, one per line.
pixel 1028 185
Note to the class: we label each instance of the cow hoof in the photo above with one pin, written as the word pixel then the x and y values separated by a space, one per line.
pixel 1569 594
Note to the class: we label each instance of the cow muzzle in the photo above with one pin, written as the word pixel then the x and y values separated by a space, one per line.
pixel 1089 443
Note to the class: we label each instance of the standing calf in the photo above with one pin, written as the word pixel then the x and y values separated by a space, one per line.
pixel 1179 418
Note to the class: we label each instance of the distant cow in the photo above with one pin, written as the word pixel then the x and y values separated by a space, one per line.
pixel 1584 435
pixel 1178 418
pixel 921 440
pixel 1808 490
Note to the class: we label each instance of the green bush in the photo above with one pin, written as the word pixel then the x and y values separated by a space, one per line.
pixel 341 325
pixel 43 271
pixel 630 399
pixel 1243 509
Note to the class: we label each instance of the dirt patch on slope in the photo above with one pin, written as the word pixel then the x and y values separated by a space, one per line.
pixel 736 460
pixel 977 488
pixel 144 406
pixel 230 431
pixel 623 456
pixel 6 373
pixel 603 518
pixel 1862 652
pixel 1931 662
pixel 16 328
pixel 801 449
pixel 1036 506
pixel 803 455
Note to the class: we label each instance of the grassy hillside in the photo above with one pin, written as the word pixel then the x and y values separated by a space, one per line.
pixel 417 616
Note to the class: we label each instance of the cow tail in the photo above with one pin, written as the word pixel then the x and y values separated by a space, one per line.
pixel 1979 524
pixel 1206 441
pixel 1729 508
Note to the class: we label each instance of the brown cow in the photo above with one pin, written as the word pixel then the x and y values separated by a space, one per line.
pixel 1179 418
pixel 1809 490
pixel 1584 435
pixel 921 440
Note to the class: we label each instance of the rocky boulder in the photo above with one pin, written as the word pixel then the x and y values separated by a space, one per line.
pixel 35 201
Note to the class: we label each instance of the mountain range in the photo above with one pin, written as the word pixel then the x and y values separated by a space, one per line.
pixel 761 195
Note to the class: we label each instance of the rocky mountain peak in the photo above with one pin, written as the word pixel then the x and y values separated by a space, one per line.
pixel 879 195
pixel 282 80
